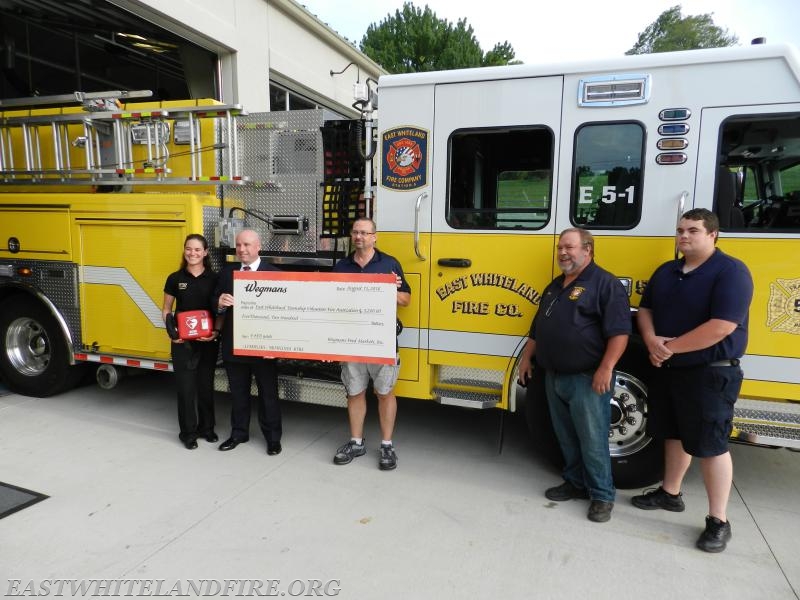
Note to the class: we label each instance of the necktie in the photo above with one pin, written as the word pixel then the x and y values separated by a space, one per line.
pixel 245 268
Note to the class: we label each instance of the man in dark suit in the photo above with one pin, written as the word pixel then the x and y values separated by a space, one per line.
pixel 241 369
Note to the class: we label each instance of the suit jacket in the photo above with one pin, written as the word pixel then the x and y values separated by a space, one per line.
pixel 225 286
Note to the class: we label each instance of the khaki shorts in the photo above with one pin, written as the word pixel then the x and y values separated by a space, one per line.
pixel 356 376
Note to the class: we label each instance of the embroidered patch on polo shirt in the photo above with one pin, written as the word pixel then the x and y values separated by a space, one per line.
pixel 576 293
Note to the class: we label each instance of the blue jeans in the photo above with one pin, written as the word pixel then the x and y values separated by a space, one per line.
pixel 580 420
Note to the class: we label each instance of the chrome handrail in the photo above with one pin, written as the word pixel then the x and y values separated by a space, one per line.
pixel 417 206
pixel 681 206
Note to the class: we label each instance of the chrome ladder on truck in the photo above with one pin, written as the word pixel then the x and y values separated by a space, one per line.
pixel 105 135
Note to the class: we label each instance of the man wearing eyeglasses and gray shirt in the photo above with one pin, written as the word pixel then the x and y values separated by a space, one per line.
pixel 579 333
pixel 368 259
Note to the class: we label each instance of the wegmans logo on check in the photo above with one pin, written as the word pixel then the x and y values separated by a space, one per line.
pixel 260 289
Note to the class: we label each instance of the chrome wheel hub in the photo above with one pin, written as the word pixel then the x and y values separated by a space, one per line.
pixel 27 346
pixel 627 429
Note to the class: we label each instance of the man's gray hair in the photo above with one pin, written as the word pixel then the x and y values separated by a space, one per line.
pixel 587 239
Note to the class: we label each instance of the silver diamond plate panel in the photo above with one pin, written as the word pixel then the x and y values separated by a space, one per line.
pixel 58 281
pixel 211 216
pixel 296 389
pixel 312 391
pixel 221 380
pixel 468 376
pixel 467 399
pixel 768 423
pixel 766 407
pixel 765 415
pixel 769 434
pixel 281 153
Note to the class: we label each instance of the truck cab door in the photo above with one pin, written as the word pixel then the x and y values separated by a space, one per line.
pixel 758 148
pixel 495 149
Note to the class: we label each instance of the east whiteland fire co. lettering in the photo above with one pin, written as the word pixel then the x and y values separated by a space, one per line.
pixel 479 307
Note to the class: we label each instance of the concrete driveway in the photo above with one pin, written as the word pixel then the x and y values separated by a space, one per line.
pixel 456 519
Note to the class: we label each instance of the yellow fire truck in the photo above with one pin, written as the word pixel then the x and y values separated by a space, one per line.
pixel 470 176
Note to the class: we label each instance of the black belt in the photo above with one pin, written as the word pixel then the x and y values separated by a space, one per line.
pixel 729 362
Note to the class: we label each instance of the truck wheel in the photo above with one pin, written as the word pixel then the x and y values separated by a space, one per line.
pixel 33 356
pixel 537 415
pixel 637 460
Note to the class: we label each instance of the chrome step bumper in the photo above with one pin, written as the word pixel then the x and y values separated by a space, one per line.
pixel 467 399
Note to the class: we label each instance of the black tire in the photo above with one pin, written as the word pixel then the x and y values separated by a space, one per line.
pixel 34 360
pixel 537 416
pixel 636 459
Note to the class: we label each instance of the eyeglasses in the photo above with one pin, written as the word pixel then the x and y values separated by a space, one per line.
pixel 550 307
pixel 361 233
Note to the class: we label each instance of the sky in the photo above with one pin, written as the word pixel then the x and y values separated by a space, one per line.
pixel 547 31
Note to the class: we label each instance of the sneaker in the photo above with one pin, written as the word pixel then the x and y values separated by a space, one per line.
pixel 345 454
pixel 600 511
pixel 388 459
pixel 653 499
pixel 566 491
pixel 716 535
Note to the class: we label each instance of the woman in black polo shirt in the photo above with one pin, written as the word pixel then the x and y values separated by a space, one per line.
pixel 194 362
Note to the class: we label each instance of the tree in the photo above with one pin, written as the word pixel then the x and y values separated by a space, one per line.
pixel 672 31
pixel 414 40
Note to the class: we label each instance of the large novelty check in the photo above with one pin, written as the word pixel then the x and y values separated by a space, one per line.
pixel 318 316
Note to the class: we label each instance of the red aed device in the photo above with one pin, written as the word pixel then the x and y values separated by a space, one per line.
pixel 193 324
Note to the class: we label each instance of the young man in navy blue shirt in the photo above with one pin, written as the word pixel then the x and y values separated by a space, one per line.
pixel 579 333
pixel 693 319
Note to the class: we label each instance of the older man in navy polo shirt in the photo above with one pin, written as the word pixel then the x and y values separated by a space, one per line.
pixel 368 259
pixel 578 334
pixel 693 318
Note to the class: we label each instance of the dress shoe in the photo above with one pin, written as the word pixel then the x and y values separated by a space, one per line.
pixel 230 444
pixel 211 437
pixel 190 444
pixel 274 448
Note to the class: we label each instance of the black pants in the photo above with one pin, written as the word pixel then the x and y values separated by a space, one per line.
pixel 269 411
pixel 194 364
